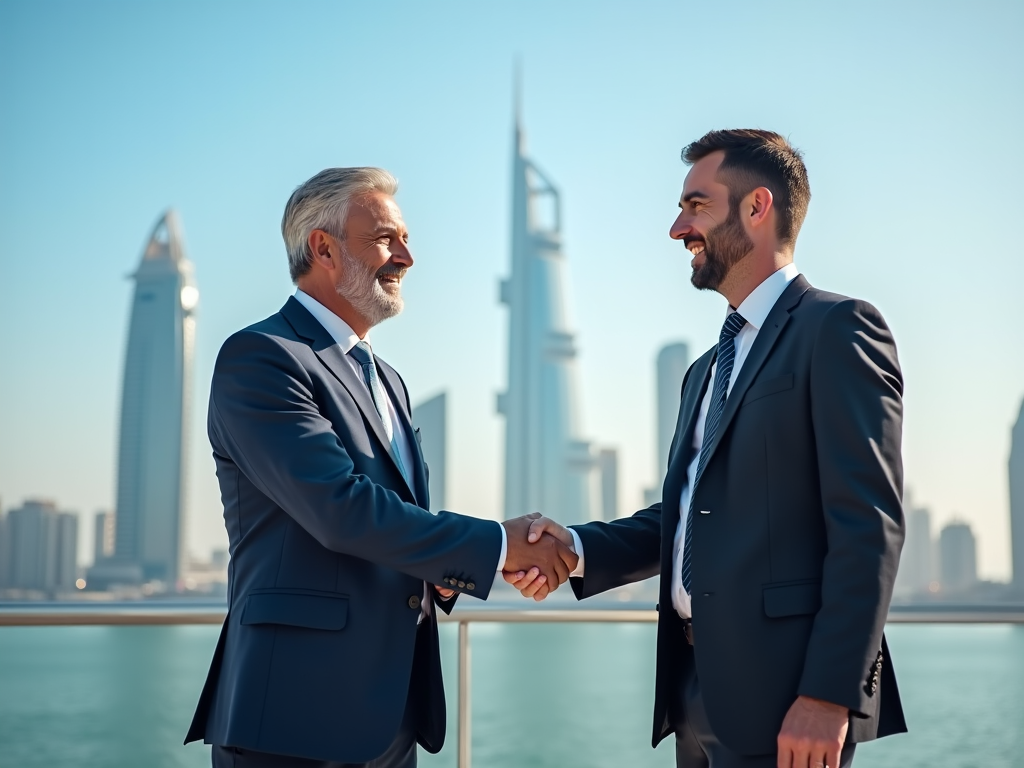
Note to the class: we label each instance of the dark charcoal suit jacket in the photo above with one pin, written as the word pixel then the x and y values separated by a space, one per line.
pixel 793 566
pixel 330 547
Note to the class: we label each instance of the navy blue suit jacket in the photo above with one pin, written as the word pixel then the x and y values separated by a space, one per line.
pixel 330 547
pixel 799 530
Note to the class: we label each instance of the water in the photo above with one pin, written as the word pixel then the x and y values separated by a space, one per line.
pixel 543 695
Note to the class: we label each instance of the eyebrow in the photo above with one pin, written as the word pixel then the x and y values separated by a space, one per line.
pixel 691 195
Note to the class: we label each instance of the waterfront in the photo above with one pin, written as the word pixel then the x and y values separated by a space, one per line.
pixel 543 695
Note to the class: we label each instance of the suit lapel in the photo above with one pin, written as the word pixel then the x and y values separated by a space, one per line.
pixel 396 391
pixel 766 338
pixel 330 354
pixel 689 409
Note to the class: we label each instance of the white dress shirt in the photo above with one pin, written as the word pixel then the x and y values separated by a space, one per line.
pixel 346 338
pixel 754 310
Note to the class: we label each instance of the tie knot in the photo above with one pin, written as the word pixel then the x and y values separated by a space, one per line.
pixel 362 353
pixel 733 324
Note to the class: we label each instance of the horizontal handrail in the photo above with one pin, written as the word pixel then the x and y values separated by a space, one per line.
pixel 134 614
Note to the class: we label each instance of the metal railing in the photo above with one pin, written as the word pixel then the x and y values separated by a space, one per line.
pixel 130 614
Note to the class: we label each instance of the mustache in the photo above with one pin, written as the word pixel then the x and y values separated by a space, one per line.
pixel 691 239
pixel 392 270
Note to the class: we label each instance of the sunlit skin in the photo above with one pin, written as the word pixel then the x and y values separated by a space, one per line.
pixel 375 234
pixel 813 731
pixel 704 205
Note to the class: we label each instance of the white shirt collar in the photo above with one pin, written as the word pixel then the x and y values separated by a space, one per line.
pixel 340 331
pixel 759 303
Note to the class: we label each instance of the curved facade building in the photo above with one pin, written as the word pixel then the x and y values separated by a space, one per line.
pixel 549 468
pixel 155 401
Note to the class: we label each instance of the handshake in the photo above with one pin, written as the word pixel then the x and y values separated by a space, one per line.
pixel 539 558
pixel 540 555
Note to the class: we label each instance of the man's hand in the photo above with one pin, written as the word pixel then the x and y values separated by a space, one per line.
pixel 534 556
pixel 444 592
pixel 812 734
pixel 532 583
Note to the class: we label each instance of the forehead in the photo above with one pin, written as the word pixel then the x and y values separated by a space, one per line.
pixel 703 175
pixel 375 209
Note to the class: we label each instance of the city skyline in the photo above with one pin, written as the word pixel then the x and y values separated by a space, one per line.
pixel 227 134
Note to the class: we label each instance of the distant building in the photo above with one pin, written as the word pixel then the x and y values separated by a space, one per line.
pixel 549 467
pixel 5 556
pixel 670 368
pixel 958 565
pixel 916 571
pixel 1016 477
pixel 43 546
pixel 155 402
pixel 608 465
pixel 431 419
pixel 103 537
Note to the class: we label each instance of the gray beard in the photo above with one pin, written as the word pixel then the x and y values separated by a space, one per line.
pixel 360 288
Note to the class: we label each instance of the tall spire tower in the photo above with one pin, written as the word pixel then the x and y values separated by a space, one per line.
pixel 548 467
pixel 155 401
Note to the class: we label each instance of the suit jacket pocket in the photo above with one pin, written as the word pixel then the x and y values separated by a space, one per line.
pixel 792 599
pixel 296 608
pixel 770 387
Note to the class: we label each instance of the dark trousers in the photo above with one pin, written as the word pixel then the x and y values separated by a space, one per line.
pixel 401 753
pixel 697 745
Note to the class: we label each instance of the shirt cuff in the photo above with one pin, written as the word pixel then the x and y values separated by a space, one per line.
pixel 577 547
pixel 504 549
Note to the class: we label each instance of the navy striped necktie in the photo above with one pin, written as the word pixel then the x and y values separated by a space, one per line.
pixel 726 360
pixel 364 356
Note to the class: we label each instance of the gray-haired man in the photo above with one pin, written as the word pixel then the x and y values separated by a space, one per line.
pixel 329 653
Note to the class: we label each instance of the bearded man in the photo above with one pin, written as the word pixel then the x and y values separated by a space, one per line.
pixel 329 654
pixel 781 522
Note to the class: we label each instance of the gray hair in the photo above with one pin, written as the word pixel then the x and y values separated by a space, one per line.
pixel 322 203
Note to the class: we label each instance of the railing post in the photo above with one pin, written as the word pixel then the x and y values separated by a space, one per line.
pixel 465 740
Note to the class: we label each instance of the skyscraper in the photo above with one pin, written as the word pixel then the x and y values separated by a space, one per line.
pixel 916 569
pixel 608 465
pixel 673 360
pixel 1016 471
pixel 958 564
pixel 548 466
pixel 431 419
pixel 155 400
pixel 43 547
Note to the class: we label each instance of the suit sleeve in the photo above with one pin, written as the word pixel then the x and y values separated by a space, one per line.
pixel 264 417
pixel 619 552
pixel 857 413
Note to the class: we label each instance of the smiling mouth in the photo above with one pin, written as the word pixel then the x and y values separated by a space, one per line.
pixel 696 248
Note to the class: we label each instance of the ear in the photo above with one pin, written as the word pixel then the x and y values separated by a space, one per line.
pixel 325 249
pixel 760 204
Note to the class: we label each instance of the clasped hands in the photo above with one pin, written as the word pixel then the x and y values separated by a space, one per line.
pixel 540 555
pixel 538 559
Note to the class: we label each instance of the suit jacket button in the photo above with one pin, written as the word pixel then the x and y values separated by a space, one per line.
pixel 470 586
pixel 449 580
pixel 462 585
pixel 414 602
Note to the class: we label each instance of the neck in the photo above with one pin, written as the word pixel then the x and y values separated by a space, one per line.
pixel 327 295
pixel 750 272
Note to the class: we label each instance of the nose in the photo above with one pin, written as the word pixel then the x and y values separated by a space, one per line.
pixel 680 227
pixel 401 254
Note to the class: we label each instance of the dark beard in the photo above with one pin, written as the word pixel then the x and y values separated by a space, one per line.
pixel 724 246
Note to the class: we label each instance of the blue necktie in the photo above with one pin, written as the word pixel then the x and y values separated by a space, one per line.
pixel 364 356
pixel 726 359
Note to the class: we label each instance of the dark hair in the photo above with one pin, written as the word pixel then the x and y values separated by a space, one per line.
pixel 756 158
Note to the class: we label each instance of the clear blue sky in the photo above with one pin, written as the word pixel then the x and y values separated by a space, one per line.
pixel 910 115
